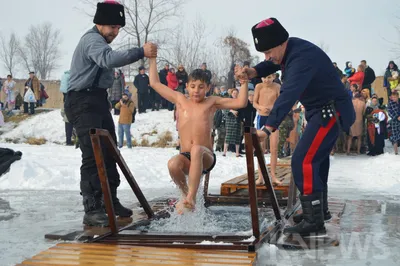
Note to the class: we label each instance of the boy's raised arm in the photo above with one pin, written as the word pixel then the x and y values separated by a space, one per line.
pixel 239 102
pixel 155 83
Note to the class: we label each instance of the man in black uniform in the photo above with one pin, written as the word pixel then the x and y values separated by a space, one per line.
pixel 142 85
pixel 87 105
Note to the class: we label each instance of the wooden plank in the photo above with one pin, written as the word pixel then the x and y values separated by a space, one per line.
pixel 101 254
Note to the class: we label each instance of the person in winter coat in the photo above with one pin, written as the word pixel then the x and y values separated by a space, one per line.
pixel 115 92
pixel 340 73
pixel 34 84
pixel 358 77
pixel 9 90
pixel 127 108
pixel 163 79
pixel 309 77
pixel 141 83
pixel 349 69
pixel 172 84
pixel 394 114
pixel 392 67
pixel 182 77
pixel 87 104
pixel 369 75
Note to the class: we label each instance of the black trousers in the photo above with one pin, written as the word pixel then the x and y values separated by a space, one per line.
pixel 68 132
pixel 29 108
pixel 155 99
pixel 143 102
pixel 86 110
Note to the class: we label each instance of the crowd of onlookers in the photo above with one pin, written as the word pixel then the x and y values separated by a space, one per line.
pixel 374 121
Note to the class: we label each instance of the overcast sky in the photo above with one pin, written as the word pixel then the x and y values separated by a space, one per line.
pixel 353 30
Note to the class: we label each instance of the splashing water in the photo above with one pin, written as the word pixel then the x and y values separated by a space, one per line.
pixel 216 219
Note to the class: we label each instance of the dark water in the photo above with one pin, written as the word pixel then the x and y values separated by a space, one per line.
pixel 370 227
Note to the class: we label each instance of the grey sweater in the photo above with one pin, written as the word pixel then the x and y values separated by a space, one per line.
pixel 93 52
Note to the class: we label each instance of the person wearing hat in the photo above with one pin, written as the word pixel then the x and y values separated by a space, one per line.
pixel 87 106
pixel 141 83
pixel 309 76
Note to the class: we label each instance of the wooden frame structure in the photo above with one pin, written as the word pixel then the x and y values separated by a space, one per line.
pixel 130 235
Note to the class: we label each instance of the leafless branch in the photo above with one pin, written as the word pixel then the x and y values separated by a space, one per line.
pixel 40 52
pixel 9 52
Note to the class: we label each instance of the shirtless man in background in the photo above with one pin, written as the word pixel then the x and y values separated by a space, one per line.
pixel 196 116
pixel 265 95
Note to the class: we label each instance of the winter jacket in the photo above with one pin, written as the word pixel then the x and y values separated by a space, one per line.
pixel 182 77
pixel 172 81
pixel 93 52
pixel 142 83
pixel 349 71
pixel 64 82
pixel 357 78
pixel 310 77
pixel 35 86
pixel 369 77
pixel 163 76
pixel 115 92
pixel 125 115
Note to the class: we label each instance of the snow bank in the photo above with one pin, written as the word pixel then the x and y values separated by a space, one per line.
pixel 50 126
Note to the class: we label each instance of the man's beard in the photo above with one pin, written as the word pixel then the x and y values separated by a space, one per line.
pixel 109 38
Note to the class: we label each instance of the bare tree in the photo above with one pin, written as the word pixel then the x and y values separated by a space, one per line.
pixel 9 52
pixel 40 52
pixel 237 51
pixel 188 45
pixel 324 47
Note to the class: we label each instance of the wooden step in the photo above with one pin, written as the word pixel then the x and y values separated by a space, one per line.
pixel 104 254
pixel 283 173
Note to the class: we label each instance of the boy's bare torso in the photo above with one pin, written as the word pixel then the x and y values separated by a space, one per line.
pixel 267 97
pixel 195 122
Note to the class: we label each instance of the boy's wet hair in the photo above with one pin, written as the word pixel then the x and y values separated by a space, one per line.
pixel 199 74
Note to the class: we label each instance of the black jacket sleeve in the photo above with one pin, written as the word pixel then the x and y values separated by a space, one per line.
pixel 266 68
pixel 298 74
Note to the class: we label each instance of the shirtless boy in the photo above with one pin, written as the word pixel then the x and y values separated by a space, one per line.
pixel 196 115
pixel 265 95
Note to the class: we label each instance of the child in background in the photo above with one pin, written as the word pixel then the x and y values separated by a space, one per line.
pixel 127 108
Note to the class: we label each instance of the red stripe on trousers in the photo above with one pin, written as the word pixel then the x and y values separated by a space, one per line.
pixel 307 162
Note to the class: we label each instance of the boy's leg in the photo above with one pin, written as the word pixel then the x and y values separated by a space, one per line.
pixel 273 144
pixel 120 136
pixel 127 129
pixel 201 158
pixel 25 107
pixel 178 167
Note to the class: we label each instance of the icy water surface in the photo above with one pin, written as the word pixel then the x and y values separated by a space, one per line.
pixel 370 227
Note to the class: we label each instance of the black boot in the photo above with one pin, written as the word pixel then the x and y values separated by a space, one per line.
pixel 119 210
pixel 297 218
pixel 313 221
pixel 94 211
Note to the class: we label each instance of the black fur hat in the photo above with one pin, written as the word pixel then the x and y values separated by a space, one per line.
pixel 268 34
pixel 109 13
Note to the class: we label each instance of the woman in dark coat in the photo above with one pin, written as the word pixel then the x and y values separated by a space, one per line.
pixel 182 77
pixel 233 128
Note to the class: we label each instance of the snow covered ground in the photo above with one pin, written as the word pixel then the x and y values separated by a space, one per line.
pixel 50 126
pixel 42 188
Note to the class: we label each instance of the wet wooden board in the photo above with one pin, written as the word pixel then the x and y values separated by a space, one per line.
pixel 103 254
pixel 283 173
pixel 331 238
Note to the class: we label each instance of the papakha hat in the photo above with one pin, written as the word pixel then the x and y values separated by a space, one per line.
pixel 110 13
pixel 268 34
